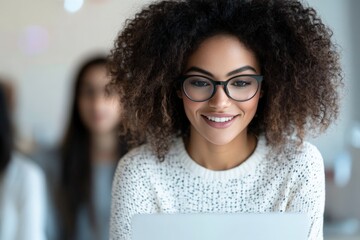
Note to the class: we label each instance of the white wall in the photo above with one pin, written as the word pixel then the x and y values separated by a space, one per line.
pixel 43 76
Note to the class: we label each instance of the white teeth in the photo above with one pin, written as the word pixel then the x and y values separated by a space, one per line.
pixel 219 119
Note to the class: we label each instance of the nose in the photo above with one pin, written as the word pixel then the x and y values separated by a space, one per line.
pixel 220 100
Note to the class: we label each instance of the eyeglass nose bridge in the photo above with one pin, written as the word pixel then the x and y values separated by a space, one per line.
pixel 220 83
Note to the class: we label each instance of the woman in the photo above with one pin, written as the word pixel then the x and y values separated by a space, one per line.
pixel 22 186
pixel 224 93
pixel 90 151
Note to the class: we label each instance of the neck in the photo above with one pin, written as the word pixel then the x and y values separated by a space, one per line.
pixel 221 157
pixel 104 147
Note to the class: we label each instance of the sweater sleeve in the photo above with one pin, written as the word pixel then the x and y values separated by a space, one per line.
pixel 131 194
pixel 31 203
pixel 308 192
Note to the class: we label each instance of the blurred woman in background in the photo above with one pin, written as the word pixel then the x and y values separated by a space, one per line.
pixel 89 154
pixel 22 185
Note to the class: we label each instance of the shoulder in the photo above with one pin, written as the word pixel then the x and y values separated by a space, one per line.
pixel 24 176
pixel 143 163
pixel 305 154
pixel 137 160
pixel 136 166
pixel 25 168
pixel 301 161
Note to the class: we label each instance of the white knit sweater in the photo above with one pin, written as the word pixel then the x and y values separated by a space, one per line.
pixel 290 182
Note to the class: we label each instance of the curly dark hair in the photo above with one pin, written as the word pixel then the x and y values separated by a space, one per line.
pixel 299 62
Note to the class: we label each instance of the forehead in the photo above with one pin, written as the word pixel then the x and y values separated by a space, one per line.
pixel 221 54
pixel 95 76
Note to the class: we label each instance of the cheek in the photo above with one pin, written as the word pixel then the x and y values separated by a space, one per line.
pixel 190 107
pixel 84 106
pixel 250 107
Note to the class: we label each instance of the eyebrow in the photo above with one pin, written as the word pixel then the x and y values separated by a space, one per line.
pixel 239 70
pixel 242 69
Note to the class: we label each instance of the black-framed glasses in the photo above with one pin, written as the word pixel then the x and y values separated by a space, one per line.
pixel 240 88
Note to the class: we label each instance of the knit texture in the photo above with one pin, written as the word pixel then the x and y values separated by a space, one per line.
pixel 289 182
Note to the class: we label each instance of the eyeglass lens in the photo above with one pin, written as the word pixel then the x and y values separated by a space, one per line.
pixel 240 88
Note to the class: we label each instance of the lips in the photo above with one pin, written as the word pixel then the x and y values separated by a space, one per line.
pixel 219 121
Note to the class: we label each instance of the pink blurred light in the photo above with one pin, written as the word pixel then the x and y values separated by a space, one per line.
pixel 34 40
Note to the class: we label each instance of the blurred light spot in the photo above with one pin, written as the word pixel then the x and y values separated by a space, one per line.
pixel 355 135
pixel 342 169
pixel 73 5
pixel 34 40
pixel 99 1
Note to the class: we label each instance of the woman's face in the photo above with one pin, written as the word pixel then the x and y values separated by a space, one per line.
pixel 100 110
pixel 220 120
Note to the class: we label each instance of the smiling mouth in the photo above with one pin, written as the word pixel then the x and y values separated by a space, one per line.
pixel 219 119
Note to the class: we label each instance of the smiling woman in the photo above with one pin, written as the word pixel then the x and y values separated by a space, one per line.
pixel 223 93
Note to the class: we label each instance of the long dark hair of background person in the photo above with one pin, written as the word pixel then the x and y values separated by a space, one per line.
pixel 6 143
pixel 76 169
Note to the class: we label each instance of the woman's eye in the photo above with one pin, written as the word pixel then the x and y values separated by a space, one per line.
pixel 199 83
pixel 240 83
pixel 87 92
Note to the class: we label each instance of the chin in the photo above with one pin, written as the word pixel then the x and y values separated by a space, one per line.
pixel 100 130
pixel 220 141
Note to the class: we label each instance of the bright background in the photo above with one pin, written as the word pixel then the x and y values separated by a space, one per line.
pixel 41 44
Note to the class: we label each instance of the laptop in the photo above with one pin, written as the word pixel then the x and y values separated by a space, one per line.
pixel 234 226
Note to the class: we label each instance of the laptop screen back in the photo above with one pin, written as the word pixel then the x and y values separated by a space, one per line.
pixel 248 226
